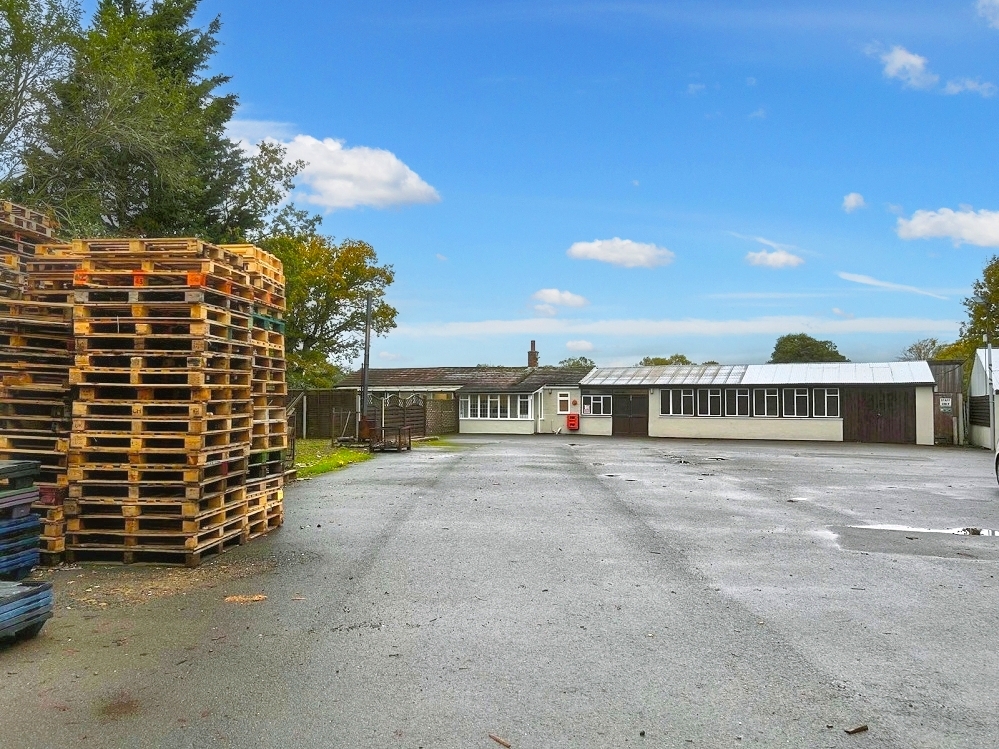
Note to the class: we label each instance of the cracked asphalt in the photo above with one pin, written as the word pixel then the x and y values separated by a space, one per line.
pixel 553 592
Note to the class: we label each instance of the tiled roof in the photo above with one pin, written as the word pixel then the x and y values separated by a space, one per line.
pixel 474 379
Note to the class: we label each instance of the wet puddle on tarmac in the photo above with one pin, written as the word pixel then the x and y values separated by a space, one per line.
pixel 966 531
pixel 962 543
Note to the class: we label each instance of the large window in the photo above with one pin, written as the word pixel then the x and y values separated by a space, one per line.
pixel 709 402
pixel 677 402
pixel 597 405
pixel 766 402
pixel 737 402
pixel 826 402
pixel 563 403
pixel 796 402
pixel 495 406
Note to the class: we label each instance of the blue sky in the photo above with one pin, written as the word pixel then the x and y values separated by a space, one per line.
pixel 620 179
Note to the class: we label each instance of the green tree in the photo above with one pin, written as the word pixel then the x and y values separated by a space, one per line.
pixel 35 47
pixel 983 318
pixel 663 361
pixel 577 361
pixel 800 347
pixel 326 286
pixel 133 140
pixel 924 348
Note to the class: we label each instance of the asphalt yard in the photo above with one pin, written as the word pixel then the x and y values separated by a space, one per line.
pixel 553 592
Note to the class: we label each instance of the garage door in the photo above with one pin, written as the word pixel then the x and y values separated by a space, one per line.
pixel 879 415
pixel 631 416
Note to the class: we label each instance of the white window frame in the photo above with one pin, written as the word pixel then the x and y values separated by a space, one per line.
pixel 606 405
pixel 490 406
pixel 828 395
pixel 792 397
pixel 743 396
pixel 567 397
pixel 713 394
pixel 768 393
pixel 666 401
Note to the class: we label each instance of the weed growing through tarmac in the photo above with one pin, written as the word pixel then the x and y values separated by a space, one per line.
pixel 314 457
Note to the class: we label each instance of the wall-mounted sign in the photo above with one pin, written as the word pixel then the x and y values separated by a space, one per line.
pixel 946 405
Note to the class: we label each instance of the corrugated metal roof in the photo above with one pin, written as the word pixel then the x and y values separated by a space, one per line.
pixel 693 375
pixel 840 373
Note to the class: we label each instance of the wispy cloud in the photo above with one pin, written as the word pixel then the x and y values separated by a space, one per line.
pixel 548 310
pixel 579 345
pixel 750 81
pixel 868 281
pixel 387 356
pixel 623 252
pixel 757 295
pixel 759 114
pixel 560 298
pixel 845 315
pixel 442 258
pixel 694 88
pixel 962 85
pixel 626 328
pixel 908 67
pixel 337 176
pixel 989 10
pixel 775 259
pixel 853 201
pixel 966 225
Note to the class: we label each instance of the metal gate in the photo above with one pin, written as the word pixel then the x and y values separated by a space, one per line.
pixel 630 415
pixel 879 415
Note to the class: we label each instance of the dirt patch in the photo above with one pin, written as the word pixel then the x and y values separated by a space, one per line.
pixel 112 587
pixel 120 706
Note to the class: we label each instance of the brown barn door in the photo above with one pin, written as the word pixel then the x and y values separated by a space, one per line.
pixel 631 416
pixel 879 415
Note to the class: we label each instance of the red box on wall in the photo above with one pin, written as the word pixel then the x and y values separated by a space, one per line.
pixel 572 421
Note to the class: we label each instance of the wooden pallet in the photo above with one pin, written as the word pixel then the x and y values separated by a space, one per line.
pixel 152 555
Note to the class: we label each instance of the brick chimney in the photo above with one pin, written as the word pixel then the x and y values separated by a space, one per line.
pixel 532 356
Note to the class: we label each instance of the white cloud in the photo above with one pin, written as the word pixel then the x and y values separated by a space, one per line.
pixel 560 298
pixel 908 67
pixel 694 88
pixel 989 10
pixel 545 309
pixel 840 313
pixel 336 176
pixel 965 225
pixel 688 327
pixel 579 345
pixel 634 182
pixel 759 114
pixel 623 252
pixel 853 201
pixel 868 281
pixel 442 258
pixel 750 81
pixel 388 356
pixel 339 177
pixel 775 259
pixel 960 85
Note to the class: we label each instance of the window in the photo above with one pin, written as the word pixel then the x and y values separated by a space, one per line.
pixel 597 405
pixel 765 402
pixel 737 402
pixel 796 402
pixel 494 407
pixel 563 403
pixel 709 402
pixel 826 403
pixel 676 402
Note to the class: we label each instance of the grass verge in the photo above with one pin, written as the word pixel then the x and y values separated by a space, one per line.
pixel 313 457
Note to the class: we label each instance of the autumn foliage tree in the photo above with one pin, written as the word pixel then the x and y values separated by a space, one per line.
pixel 327 288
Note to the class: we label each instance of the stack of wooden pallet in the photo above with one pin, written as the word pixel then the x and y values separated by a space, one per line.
pixel 162 419
pixel 20 530
pixel 36 344
pixel 265 474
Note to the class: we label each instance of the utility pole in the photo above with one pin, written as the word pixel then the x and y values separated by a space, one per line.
pixel 992 391
pixel 363 425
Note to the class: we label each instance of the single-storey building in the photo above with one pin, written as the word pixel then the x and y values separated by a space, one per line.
pixel 876 402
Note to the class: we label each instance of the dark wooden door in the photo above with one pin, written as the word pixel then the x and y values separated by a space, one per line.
pixel 879 415
pixel 944 418
pixel 631 415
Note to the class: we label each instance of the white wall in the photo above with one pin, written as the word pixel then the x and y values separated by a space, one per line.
pixel 924 415
pixel 595 425
pixel 745 428
pixel 552 420
pixel 495 426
